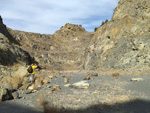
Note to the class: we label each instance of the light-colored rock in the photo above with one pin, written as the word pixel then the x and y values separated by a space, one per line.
pixel 48 86
pixel 15 95
pixel 32 87
pixel 67 85
pixel 81 84
pixel 137 79
pixel 45 81
pixel 50 76
pixel 7 86
pixel 66 80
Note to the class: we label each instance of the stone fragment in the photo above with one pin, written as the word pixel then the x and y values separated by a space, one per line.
pixel 87 78
pixel 67 85
pixel 48 86
pixel 56 88
pixel 32 87
pixel 45 81
pixel 50 76
pixel 81 84
pixel 66 80
pixel 137 79
pixel 15 95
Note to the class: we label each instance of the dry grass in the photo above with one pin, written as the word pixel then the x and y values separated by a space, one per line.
pixel 17 77
pixel 115 75
pixel 46 107
pixel 38 82
pixel 16 82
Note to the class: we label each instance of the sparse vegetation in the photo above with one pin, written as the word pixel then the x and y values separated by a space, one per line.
pixel 46 107
pixel 17 77
pixel 116 75
pixel 104 22
pixel 95 28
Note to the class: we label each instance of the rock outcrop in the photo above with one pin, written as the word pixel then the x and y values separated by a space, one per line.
pixel 9 50
pixel 123 42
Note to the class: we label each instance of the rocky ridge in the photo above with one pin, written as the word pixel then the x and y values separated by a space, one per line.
pixel 63 50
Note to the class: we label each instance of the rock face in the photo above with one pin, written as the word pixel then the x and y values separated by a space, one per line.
pixel 9 50
pixel 123 42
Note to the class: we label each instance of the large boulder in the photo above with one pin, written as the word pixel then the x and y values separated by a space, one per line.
pixel 5 94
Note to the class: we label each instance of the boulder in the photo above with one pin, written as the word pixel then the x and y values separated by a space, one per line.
pixel 137 79
pixel 82 84
pixel 15 95
pixel 5 94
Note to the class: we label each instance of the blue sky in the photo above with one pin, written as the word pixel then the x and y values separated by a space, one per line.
pixel 48 16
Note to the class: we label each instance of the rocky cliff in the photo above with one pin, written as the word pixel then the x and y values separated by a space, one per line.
pixel 123 42
pixel 10 53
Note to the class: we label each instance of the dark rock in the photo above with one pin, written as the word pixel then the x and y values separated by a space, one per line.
pixel 5 94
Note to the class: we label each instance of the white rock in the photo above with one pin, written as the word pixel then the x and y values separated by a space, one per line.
pixel 137 79
pixel 82 84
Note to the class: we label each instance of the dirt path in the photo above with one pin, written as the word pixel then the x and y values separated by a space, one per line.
pixel 105 95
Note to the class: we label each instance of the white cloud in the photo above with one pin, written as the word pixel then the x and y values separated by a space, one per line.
pixel 47 16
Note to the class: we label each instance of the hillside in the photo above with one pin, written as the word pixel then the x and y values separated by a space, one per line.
pixel 123 42
pixel 63 50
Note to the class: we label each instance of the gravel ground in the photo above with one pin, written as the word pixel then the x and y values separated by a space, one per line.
pixel 105 95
